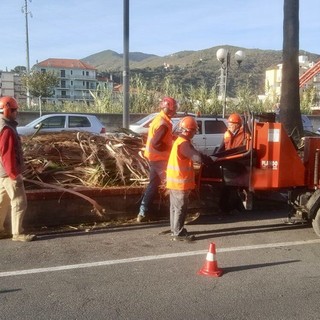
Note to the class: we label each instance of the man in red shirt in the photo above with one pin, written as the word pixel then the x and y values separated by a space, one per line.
pixel 12 193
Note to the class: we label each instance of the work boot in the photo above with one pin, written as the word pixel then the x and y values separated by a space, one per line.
pixel 186 237
pixel 141 218
pixel 23 237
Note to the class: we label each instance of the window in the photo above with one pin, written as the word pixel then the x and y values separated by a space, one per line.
pixel 53 122
pixel 78 122
pixel 216 126
pixel 62 73
pixel 199 127
pixel 63 83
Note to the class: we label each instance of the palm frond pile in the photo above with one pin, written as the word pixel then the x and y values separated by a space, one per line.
pixel 74 159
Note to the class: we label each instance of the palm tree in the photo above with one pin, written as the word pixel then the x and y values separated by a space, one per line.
pixel 290 100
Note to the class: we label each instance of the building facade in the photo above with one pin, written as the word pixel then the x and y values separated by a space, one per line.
pixel 10 85
pixel 273 79
pixel 76 80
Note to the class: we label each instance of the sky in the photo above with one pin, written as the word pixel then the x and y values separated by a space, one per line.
pixel 75 29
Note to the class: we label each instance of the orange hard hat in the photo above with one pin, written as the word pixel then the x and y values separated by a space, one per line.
pixel 188 123
pixel 7 104
pixel 235 118
pixel 169 103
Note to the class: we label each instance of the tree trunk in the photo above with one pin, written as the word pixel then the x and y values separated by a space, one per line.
pixel 290 99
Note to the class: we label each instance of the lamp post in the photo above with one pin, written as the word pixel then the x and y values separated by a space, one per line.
pixel 223 55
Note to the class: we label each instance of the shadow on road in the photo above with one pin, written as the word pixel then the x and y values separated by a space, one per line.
pixel 256 266
pixel 225 232
pixel 9 290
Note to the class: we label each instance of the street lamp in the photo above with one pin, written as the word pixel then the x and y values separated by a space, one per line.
pixel 223 55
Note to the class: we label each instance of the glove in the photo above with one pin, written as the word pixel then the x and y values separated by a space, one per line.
pixel 207 160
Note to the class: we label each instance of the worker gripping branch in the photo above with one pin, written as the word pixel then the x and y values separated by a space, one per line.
pixel 181 177
pixel 158 147
pixel 235 136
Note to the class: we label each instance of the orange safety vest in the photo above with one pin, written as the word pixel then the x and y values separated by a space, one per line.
pixel 180 171
pixel 233 141
pixel 150 153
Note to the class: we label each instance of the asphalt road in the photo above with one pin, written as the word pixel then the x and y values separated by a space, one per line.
pixel 271 271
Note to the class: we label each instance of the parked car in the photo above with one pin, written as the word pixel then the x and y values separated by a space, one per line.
pixel 142 126
pixel 206 140
pixel 209 135
pixel 306 123
pixel 63 122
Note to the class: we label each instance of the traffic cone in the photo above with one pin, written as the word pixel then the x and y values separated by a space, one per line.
pixel 210 267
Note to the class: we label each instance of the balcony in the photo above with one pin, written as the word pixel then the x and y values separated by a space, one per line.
pixel 59 96
pixel 78 77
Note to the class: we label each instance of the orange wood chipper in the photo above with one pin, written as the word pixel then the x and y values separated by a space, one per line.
pixel 271 162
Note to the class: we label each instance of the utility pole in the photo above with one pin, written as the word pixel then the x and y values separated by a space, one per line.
pixel 26 12
pixel 126 71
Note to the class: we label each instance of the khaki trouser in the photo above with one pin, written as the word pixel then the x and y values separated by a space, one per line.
pixel 12 197
pixel 179 200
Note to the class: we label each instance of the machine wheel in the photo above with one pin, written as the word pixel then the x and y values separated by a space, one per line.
pixel 316 223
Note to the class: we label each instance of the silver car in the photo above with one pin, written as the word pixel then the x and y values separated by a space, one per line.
pixel 59 122
pixel 142 126
pixel 209 135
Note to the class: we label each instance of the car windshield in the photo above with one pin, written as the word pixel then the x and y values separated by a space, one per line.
pixel 34 122
pixel 143 120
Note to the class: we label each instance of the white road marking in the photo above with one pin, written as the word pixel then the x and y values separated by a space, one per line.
pixel 153 257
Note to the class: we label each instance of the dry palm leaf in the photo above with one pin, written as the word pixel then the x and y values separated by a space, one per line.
pixel 71 159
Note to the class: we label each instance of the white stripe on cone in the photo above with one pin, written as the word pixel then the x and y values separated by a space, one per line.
pixel 211 256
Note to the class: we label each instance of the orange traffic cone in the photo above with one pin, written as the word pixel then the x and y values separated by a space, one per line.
pixel 210 267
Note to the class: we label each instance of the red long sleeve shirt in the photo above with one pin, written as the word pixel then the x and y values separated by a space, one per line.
pixel 8 153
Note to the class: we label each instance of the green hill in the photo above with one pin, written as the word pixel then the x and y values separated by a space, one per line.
pixel 194 67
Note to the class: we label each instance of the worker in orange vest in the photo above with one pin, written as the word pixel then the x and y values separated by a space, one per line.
pixel 158 147
pixel 181 177
pixel 235 136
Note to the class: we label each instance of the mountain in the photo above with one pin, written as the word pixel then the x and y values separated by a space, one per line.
pixel 194 67
pixel 111 60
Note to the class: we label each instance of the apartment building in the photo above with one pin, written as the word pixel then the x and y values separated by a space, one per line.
pixel 273 79
pixel 10 85
pixel 76 79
